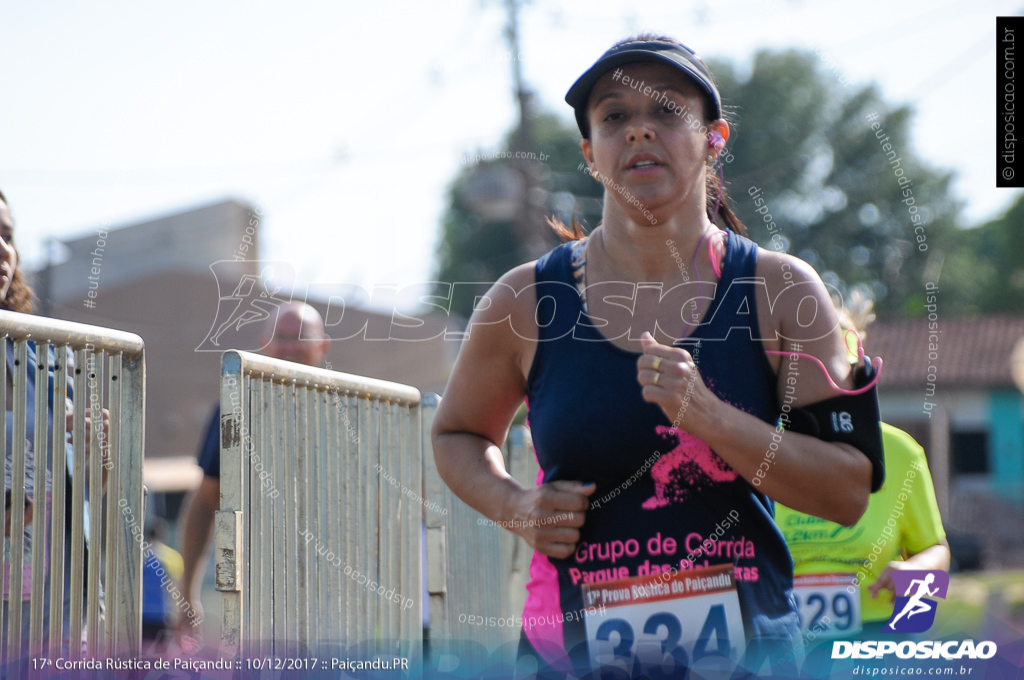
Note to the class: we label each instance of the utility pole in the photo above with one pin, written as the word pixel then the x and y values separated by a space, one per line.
pixel 523 134
pixel 530 218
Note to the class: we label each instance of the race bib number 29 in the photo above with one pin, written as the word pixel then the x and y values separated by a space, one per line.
pixel 827 607
pixel 664 621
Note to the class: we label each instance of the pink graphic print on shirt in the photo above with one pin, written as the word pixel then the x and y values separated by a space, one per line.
pixel 690 465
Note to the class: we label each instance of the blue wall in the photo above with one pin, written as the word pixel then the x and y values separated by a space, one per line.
pixel 1006 445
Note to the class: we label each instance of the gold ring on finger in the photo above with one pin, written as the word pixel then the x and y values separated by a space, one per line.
pixel 657 376
pixel 657 365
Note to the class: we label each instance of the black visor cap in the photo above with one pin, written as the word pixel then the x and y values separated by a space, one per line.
pixel 658 51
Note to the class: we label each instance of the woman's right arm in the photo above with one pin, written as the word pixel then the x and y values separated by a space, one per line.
pixel 486 387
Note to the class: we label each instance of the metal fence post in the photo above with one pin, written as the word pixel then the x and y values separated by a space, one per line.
pixel 106 369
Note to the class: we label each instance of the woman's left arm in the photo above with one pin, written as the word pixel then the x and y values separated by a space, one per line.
pixel 826 479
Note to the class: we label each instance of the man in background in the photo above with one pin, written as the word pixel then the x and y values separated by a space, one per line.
pixel 197 526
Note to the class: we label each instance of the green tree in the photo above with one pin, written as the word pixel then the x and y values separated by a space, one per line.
pixel 806 139
pixel 983 271
pixel 477 248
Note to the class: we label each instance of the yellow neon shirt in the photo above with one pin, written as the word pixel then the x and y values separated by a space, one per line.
pixel 902 519
pixel 171 559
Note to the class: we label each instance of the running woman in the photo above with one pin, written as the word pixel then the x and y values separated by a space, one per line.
pixel 656 356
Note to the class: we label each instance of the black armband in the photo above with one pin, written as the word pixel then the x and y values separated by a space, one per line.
pixel 849 418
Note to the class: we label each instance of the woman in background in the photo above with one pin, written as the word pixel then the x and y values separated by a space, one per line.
pixel 16 296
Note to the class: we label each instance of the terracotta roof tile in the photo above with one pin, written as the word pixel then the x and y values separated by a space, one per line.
pixel 970 351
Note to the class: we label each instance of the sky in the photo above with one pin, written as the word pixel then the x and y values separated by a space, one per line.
pixel 346 122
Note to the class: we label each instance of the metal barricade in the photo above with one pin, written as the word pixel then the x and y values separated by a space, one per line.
pixel 65 575
pixel 476 571
pixel 318 536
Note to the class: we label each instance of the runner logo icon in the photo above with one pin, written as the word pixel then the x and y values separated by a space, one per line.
pixel 913 612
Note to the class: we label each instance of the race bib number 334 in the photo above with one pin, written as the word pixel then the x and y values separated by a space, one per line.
pixel 666 621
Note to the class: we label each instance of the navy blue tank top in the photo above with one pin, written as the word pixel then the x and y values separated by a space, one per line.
pixel 654 481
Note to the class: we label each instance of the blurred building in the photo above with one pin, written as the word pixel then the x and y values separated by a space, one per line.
pixel 951 387
pixel 157 278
